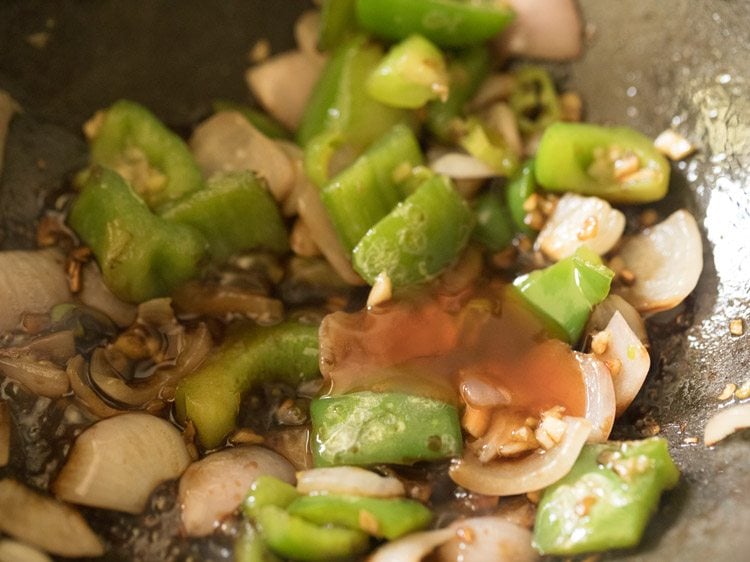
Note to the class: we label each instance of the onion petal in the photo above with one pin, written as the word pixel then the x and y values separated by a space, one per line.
pixel 480 539
pixel 39 376
pixel 413 547
pixel 44 522
pixel 580 221
pixel 213 487
pixel 605 310
pixel 97 295
pixel 227 142
pixel 116 463
pixel 666 260
pixel 350 480
pixel 457 165
pixel 725 422
pixel 30 282
pixel 14 551
pixel 533 472
pixel 600 396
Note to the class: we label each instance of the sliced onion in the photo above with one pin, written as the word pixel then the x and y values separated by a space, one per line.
pixel 116 463
pixel 306 32
pixel 14 551
pixel 580 221
pixel 283 83
pixel 501 118
pixel 227 142
pixel 4 433
pixel 727 421
pixel 39 376
pixel 534 472
pixel 57 347
pixel 605 310
pixel 348 480
pixel 222 300
pixel 628 359
pixel 30 282
pixel 312 211
pixel 457 165
pixel 481 539
pixel 600 396
pixel 79 383
pixel 97 295
pixel 667 260
pixel 44 522
pixel 543 30
pixel 479 392
pixel 413 547
pixel 496 87
pixel 213 487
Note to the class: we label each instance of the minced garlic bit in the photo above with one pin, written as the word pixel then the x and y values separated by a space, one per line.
pixel 551 428
pixel 625 165
pixel 673 145
pixel 728 391
pixel 589 229
pixel 744 391
pixel 648 217
pixel 260 51
pixel 92 126
pixel 476 421
pixel 690 440
pixel 571 107
pixel 368 522
pixel 381 291
pixel 736 327
pixel 600 342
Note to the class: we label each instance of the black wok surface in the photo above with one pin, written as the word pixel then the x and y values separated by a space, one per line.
pixel 648 64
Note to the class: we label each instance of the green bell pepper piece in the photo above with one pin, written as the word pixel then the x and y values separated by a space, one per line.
pixel 210 396
pixel 448 23
pixel 489 147
pixel 518 190
pixel 412 73
pixel 154 160
pixel 268 490
pixel 295 538
pixel 494 226
pixel 261 121
pixel 141 255
pixel 566 292
pixel 467 69
pixel 339 103
pixel 235 212
pixel 387 518
pixel 606 499
pixel 365 428
pixel 367 190
pixel 534 99
pixel 615 163
pixel 419 238
pixel 338 21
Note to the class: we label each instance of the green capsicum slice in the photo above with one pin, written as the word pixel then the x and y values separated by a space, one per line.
pixel 338 21
pixel 615 163
pixel 367 190
pixel 519 189
pixel 412 73
pixel 210 397
pixel 387 518
pixel 606 499
pixel 157 163
pixel 141 255
pixel 567 291
pixel 419 238
pixel 364 428
pixel 448 23
pixel 534 99
pixel 234 212
pixel 494 226
pixel 268 490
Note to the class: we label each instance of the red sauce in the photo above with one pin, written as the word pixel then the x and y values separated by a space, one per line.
pixel 422 346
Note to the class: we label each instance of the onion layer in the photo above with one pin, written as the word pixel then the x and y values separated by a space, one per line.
pixel 213 487
pixel 481 539
pixel 45 522
pixel 726 422
pixel 116 463
pixel 14 551
pixel 600 396
pixel 534 472
pixel 349 480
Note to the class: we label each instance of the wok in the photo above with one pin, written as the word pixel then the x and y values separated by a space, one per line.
pixel 647 64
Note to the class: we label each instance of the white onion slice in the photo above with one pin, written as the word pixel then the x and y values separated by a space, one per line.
pixel 4 433
pixel 14 551
pixel 213 487
pixel 282 84
pixel 605 310
pixel 30 281
pixel 667 260
pixel 628 359
pixel 543 30
pixel 39 376
pixel 725 422
pixel 96 294
pixel 227 142
pixel 580 221
pixel 116 463
pixel 348 480
pixel 44 522
pixel 481 539
pixel 534 472
pixel 460 166
pixel 600 396
pixel 413 547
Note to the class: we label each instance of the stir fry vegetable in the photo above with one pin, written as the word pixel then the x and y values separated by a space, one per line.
pixel 344 334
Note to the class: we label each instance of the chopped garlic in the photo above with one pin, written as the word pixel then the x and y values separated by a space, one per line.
pixel 736 327
pixel 673 145
pixel 743 392
pixel 728 391
pixel 600 341
pixel 381 291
